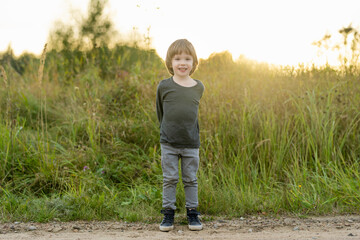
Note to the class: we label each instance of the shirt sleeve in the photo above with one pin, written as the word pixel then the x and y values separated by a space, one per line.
pixel 159 104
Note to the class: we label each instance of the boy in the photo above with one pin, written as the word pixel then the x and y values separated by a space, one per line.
pixel 177 104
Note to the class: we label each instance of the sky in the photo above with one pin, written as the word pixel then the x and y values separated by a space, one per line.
pixel 273 31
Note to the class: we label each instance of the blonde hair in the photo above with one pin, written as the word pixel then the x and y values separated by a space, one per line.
pixel 178 47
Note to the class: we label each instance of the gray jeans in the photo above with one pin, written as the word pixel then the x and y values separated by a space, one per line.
pixel 189 166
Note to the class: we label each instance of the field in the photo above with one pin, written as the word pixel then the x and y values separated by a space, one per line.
pixel 79 138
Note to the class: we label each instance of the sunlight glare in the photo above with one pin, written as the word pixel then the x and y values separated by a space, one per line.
pixel 278 32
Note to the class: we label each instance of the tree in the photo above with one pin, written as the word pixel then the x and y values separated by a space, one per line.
pixel 63 37
pixel 95 29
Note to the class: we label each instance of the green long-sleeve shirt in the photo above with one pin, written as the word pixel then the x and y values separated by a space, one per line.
pixel 177 110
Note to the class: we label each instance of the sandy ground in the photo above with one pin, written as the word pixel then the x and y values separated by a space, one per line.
pixel 251 228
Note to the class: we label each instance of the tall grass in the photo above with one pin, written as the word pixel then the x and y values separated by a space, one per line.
pixel 283 144
pixel 8 122
pixel 275 140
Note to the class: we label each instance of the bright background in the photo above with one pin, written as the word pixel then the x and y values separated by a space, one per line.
pixel 276 31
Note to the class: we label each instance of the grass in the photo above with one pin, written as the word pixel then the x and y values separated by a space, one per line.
pixel 84 143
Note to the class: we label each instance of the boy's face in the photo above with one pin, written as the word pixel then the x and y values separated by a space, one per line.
pixel 182 64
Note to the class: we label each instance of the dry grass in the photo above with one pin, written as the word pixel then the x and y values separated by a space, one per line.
pixel 42 64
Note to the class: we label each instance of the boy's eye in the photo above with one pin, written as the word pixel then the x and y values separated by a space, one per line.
pixel 185 58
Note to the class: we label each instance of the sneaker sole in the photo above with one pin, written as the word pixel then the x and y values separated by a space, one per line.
pixel 195 228
pixel 166 229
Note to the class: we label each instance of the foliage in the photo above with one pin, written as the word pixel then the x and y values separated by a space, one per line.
pixel 92 31
pixel 96 27
pixel 348 48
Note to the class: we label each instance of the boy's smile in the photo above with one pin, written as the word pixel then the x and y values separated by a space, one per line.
pixel 182 65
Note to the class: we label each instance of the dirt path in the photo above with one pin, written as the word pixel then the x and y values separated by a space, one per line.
pixel 338 227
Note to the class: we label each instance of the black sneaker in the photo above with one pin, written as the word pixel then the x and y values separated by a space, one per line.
pixel 194 222
pixel 167 223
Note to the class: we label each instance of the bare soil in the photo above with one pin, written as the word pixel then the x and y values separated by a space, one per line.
pixel 250 228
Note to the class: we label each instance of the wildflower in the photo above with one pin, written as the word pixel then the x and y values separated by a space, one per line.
pixel 85 168
pixel 300 186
